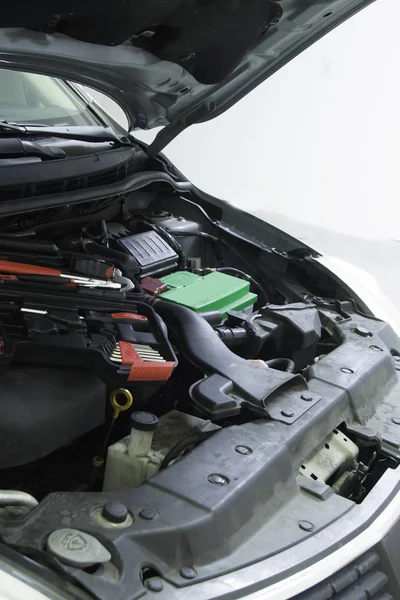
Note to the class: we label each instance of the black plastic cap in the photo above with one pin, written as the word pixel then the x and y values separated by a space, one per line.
pixel 115 512
pixel 144 421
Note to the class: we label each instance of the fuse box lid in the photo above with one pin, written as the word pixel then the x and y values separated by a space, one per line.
pixel 152 253
pixel 215 291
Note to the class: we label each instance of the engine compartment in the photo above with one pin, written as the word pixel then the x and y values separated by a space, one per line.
pixel 98 303
pixel 147 349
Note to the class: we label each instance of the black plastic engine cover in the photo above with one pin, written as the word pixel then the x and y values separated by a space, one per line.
pixel 43 409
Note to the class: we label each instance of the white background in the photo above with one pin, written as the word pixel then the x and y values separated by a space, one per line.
pixel 314 149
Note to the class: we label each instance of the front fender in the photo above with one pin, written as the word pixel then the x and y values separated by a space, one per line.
pixel 366 287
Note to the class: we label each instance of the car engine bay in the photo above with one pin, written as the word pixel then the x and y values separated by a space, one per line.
pixel 137 332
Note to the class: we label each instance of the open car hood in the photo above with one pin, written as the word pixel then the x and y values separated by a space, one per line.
pixel 167 63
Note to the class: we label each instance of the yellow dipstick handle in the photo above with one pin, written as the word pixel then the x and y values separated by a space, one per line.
pixel 117 406
pixel 98 460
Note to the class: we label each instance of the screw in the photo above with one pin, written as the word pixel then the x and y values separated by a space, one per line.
pixel 243 450
pixel 362 331
pixel 307 397
pixel 187 572
pixel 147 513
pixel 154 584
pixel 376 348
pixel 217 479
pixel 396 420
pixel 287 413
pixel 338 319
pixel 306 526
pixel 347 370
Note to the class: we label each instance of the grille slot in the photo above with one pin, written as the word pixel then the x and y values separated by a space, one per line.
pixel 361 580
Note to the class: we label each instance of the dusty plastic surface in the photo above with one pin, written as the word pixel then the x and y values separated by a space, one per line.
pixel 216 291
pixel 235 502
pixel 129 462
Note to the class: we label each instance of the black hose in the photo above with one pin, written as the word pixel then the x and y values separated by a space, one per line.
pixel 185 443
pixel 235 237
pixel 104 232
pixel 232 336
pixel 19 234
pixel 213 317
pixel 282 364
pixel 125 262
pixel 199 343
pixel 202 234
pixel 30 246
pixel 264 298
pixel 205 236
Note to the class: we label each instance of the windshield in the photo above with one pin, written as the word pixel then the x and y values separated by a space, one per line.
pixel 40 100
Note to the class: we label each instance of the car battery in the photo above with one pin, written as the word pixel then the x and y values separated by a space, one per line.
pixel 215 291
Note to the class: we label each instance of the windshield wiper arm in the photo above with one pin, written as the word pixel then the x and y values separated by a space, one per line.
pixel 84 134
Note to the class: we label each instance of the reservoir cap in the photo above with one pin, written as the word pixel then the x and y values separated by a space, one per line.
pixel 144 421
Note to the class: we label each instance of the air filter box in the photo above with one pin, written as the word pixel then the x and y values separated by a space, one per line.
pixel 152 253
pixel 216 291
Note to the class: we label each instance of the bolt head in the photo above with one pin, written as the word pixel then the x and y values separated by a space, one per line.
pixel 217 479
pixel 307 397
pixel 347 370
pixel 306 526
pixel 243 450
pixel 147 513
pixel 154 584
pixel 187 572
pixel 396 420
pixel 287 413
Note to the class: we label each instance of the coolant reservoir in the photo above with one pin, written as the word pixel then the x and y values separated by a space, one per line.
pixel 130 461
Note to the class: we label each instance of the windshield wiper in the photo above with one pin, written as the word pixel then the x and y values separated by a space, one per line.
pixel 84 134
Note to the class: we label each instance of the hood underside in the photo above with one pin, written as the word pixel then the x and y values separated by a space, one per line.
pixel 170 62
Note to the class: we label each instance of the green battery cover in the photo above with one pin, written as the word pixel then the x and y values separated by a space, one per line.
pixel 215 291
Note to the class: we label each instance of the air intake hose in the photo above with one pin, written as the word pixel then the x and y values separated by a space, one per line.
pixel 125 262
pixel 201 345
